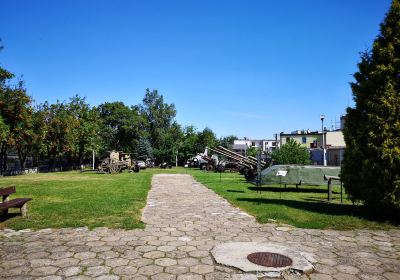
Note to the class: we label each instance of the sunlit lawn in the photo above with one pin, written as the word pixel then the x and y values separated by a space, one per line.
pixel 306 207
pixel 74 199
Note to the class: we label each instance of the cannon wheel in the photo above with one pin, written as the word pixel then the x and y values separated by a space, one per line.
pixel 220 169
pixel 103 166
pixel 210 167
pixel 113 168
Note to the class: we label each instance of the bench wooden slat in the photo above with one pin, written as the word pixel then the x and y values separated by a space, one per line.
pixel 14 203
pixel 7 190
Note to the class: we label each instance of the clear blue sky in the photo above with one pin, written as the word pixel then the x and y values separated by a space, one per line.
pixel 249 68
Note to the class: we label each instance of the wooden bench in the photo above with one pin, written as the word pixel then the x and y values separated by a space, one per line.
pixel 20 203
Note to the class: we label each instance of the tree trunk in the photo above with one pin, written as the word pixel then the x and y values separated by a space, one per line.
pixel 22 159
pixel 3 157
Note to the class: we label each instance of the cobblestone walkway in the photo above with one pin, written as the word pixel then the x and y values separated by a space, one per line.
pixel 184 222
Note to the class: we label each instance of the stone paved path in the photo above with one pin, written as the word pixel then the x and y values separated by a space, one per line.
pixel 184 221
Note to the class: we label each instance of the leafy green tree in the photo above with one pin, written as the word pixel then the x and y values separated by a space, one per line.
pixel 170 144
pixel 189 144
pixel 371 166
pixel 206 138
pixel 251 152
pixel 227 141
pixel 121 127
pixel 291 153
pixel 87 127
pixel 16 111
pixel 159 116
pixel 5 76
pixel 4 130
pixel 60 138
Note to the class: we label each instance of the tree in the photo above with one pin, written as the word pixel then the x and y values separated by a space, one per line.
pixel 16 111
pixel 60 138
pixel 87 125
pixel 4 130
pixel 188 147
pixel 227 141
pixel 206 138
pixel 371 166
pixel 251 152
pixel 5 76
pixel 121 127
pixel 291 153
pixel 159 116
pixel 144 149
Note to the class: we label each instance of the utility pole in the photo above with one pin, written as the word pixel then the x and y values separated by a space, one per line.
pixel 322 117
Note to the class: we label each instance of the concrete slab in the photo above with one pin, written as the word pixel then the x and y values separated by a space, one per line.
pixel 235 254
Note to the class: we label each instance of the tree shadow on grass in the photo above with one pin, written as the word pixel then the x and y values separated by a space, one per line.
pixel 235 191
pixel 300 190
pixel 319 207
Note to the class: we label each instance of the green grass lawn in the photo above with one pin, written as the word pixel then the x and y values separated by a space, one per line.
pixel 74 199
pixel 305 208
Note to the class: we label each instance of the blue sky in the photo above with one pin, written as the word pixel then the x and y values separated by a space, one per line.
pixel 249 68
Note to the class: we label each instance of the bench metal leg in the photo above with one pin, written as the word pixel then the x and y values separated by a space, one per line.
pixel 24 210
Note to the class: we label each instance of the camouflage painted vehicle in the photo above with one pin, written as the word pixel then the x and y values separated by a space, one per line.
pixel 116 162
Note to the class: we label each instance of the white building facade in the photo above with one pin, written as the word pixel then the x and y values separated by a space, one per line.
pixel 241 145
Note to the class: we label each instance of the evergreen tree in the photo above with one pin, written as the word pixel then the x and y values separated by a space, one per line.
pixel 371 167
pixel 144 150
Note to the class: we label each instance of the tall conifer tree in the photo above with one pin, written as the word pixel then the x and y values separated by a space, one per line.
pixel 371 167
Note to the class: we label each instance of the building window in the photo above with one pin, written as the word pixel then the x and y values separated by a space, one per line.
pixel 304 140
pixel 253 144
pixel 273 144
pixel 287 139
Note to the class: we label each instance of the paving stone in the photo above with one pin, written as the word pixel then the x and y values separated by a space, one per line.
pixel 125 270
pixel 165 262
pixel 95 271
pixel 163 276
pixel 50 278
pixel 44 270
pixel 217 276
pixel 392 275
pixel 188 261
pixel 116 262
pixel 85 255
pixel 244 277
pixel 190 276
pixel 202 269
pixel 345 276
pixel 347 269
pixel 178 238
pixel 65 262
pixel 108 277
pixel 154 255
pixel 177 269
pixel 319 276
pixel 70 271
pixel 91 262
pixel 149 270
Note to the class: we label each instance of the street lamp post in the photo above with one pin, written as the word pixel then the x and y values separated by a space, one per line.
pixel 322 117
pixel 245 146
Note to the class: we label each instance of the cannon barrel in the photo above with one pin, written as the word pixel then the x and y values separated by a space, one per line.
pixel 250 160
pixel 236 157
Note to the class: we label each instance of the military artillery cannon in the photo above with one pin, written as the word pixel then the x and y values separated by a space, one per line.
pixel 117 162
pixel 247 166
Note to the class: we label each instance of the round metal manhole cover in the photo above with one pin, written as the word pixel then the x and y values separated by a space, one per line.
pixel 269 259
